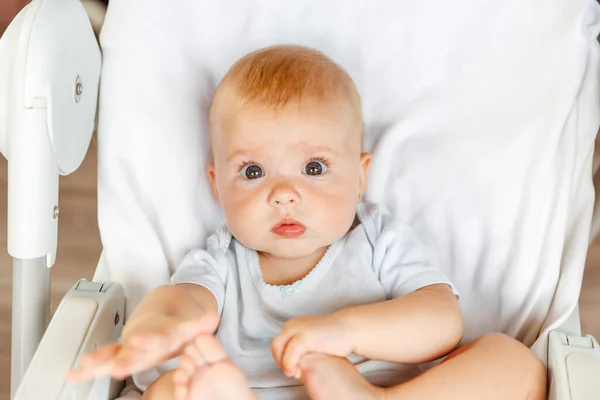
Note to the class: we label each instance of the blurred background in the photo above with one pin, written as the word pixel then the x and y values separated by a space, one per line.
pixel 79 244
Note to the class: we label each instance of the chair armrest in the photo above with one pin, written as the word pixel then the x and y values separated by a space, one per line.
pixel 90 315
pixel 573 367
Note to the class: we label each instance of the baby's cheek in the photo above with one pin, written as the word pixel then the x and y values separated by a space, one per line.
pixel 242 220
pixel 240 228
pixel 339 215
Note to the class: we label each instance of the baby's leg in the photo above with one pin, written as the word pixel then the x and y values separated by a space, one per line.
pixel 162 388
pixel 327 377
pixel 205 372
pixel 492 367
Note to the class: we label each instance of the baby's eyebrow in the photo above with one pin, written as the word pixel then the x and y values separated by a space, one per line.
pixel 241 153
pixel 305 150
pixel 319 150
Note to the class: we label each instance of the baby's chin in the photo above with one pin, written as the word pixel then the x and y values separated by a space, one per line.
pixel 289 249
pixel 290 254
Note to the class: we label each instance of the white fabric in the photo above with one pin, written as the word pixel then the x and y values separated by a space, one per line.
pixel 481 115
pixel 380 259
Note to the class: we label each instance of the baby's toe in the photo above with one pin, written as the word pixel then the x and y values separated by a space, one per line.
pixel 188 365
pixel 193 353
pixel 181 381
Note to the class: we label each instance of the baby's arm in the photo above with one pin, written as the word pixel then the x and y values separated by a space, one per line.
pixel 418 327
pixel 163 323
pixel 422 321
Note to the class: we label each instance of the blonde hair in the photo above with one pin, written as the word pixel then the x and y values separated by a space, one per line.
pixel 276 76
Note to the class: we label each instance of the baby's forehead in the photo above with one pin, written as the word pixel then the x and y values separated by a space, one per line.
pixel 332 117
pixel 298 132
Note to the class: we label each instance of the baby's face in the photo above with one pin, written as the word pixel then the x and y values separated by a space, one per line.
pixel 288 181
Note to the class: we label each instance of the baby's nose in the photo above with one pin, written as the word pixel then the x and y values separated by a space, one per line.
pixel 283 195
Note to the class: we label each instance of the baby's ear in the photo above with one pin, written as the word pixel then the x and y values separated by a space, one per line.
pixel 365 162
pixel 212 180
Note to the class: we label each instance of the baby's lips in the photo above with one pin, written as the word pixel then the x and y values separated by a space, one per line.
pixel 289 228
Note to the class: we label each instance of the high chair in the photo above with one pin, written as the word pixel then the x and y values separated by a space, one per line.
pixel 481 116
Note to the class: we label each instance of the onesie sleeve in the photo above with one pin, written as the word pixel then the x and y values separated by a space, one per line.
pixel 400 260
pixel 206 267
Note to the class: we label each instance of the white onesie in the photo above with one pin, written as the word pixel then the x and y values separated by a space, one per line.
pixel 378 260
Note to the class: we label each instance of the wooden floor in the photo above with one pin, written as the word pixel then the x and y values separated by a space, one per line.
pixel 79 248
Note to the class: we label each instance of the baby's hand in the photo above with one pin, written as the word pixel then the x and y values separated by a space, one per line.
pixel 327 334
pixel 145 343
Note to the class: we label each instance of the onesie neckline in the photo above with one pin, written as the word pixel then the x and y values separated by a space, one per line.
pixel 300 285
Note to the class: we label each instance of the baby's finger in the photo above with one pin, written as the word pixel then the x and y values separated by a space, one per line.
pixel 94 364
pixel 212 350
pixel 296 348
pixel 89 373
pixel 100 355
pixel 278 347
pixel 131 359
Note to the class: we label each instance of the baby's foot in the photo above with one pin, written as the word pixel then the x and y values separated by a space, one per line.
pixel 326 377
pixel 205 372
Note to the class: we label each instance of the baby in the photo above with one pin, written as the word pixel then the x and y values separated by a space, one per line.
pixel 306 288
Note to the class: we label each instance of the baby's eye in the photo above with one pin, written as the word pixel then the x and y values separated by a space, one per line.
pixel 314 168
pixel 252 171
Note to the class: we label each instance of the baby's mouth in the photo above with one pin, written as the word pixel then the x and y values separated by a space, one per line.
pixel 289 228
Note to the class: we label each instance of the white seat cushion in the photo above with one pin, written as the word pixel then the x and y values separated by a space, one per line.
pixel 481 115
